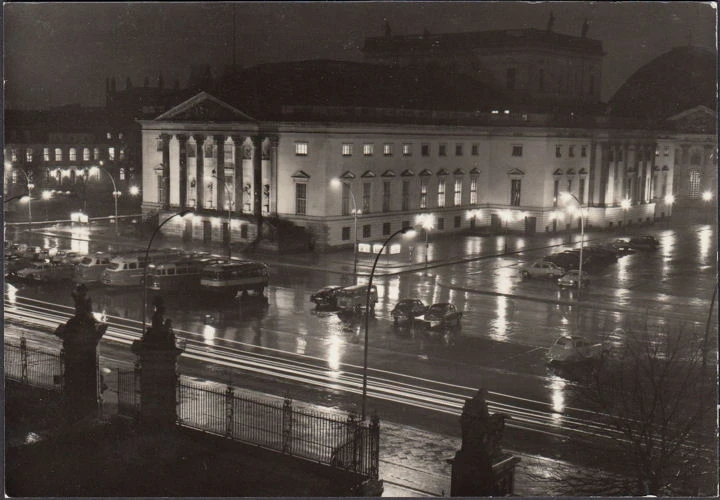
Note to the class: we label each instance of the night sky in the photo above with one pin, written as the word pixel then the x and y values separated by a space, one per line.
pixel 59 54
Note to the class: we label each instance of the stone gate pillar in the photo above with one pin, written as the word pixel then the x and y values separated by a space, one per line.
pixel 157 355
pixel 81 335
pixel 480 467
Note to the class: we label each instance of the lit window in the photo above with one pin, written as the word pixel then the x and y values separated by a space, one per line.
pixel 571 151
pixel 58 154
pixel 301 148
pixel 347 149
pixel 14 176
pixel 458 149
pixel 13 154
pixel 122 153
pixel 473 190
pixel 300 198
pixel 423 193
pixel 441 193
pixel 407 149
pixel 458 192
pixel 515 192
pixel 387 149
pixel 108 135
pixel 73 154
pixel 111 153
pixel 368 149
pixel 517 150
pixel 122 174
pixel 558 151
pixel 46 154
pixel 86 154
pixel 425 150
pixel 442 150
pixel 475 150
pixel 96 153
pixel 29 155
pixel 120 135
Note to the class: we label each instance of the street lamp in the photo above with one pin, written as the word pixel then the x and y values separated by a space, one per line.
pixel 427 222
pixel 669 200
pixel 567 196
pixel 355 212
pixel 115 194
pixel 707 196
pixel 625 204
pixel 404 230
pixel 147 254
pixel 134 190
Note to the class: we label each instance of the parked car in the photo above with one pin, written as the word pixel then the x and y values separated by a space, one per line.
pixel 47 271
pixel 644 243
pixel 571 278
pixel 441 316
pixel 67 256
pixel 354 298
pixel 575 349
pixel 542 269
pixel 408 310
pixel 13 263
pixel 326 296
pixel 622 246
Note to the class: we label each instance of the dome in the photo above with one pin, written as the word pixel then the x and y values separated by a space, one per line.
pixel 680 79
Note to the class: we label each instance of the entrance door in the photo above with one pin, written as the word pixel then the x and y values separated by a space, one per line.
pixel 495 223
pixel 187 232
pixel 530 225
pixel 207 231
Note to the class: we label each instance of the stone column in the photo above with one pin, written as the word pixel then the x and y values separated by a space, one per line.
pixel 274 143
pixel 257 183
pixel 165 138
pixel 220 171
pixel 182 160
pixel 473 471
pixel 200 171
pixel 157 356
pixel 81 335
pixel 238 141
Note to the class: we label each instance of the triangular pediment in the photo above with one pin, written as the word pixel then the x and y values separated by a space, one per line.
pixel 368 173
pixel 425 172
pixel 388 173
pixel 407 173
pixel 347 175
pixel 700 119
pixel 442 171
pixel 301 175
pixel 515 171
pixel 204 108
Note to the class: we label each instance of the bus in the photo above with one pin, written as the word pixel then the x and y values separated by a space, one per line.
pixel 182 274
pixel 232 278
pixel 129 269
pixel 91 267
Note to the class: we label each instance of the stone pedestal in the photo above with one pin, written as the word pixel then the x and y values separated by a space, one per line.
pixel 157 356
pixel 480 467
pixel 81 335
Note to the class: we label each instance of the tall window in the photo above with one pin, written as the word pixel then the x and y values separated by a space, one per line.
pixel 86 154
pixel 558 151
pixel 122 154
pixel 515 192
pixel 28 155
pixel 111 153
pixel 458 149
pixel 423 193
pixel 457 199
pixel 694 184
pixel 386 196
pixel 425 149
pixel 473 190
pixel 347 149
pixel 442 150
pixel 407 149
pixel 387 149
pixel 58 154
pixel 510 78
pixel 441 193
pixel 367 230
pixel 300 198
pixel 368 149
pixel 208 148
pixel 406 195
pixel 583 151
pixel 475 149
pixel 73 154
pixel 122 174
pixel 96 153
pixel 346 198
pixel 367 193
pixel 301 148
pixel 345 233
pixel 664 186
pixel 556 192
pixel 386 228
pixel 571 151
pixel 46 154
pixel 581 187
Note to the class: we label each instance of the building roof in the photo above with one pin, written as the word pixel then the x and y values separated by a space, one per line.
pixel 683 78
pixel 460 42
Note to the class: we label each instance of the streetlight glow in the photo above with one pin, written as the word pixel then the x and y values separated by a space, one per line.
pixel 134 190
pixel 427 222
pixel 707 196
pixel 669 199
pixel 625 204
pixel 46 195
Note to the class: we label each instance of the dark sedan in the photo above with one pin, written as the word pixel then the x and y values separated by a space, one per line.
pixel 644 243
pixel 408 310
pixel 326 296
pixel 441 316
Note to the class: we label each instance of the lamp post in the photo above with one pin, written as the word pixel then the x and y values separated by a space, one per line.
pixel 427 222
pixel 147 254
pixel 355 212
pixel 669 200
pixel 567 196
pixel 707 197
pixel 404 230
pixel 115 194
pixel 625 204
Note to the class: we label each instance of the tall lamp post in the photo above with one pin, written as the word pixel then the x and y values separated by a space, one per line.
pixel 669 200
pixel 355 212
pixel 115 194
pixel 147 254
pixel 404 230
pixel 625 204
pixel 568 196
pixel 427 222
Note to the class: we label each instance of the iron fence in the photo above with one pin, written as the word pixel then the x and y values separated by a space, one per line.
pixel 345 443
pixel 32 366
pixel 128 392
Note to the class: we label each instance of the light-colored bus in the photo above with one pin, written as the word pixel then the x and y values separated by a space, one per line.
pixel 91 267
pixel 234 277
pixel 182 274
pixel 129 269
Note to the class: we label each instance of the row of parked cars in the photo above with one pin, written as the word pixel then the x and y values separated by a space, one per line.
pixel 354 299
pixel 40 264
pixel 564 266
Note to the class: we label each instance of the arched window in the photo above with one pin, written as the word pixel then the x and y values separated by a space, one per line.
pixel 86 154
pixel 73 154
